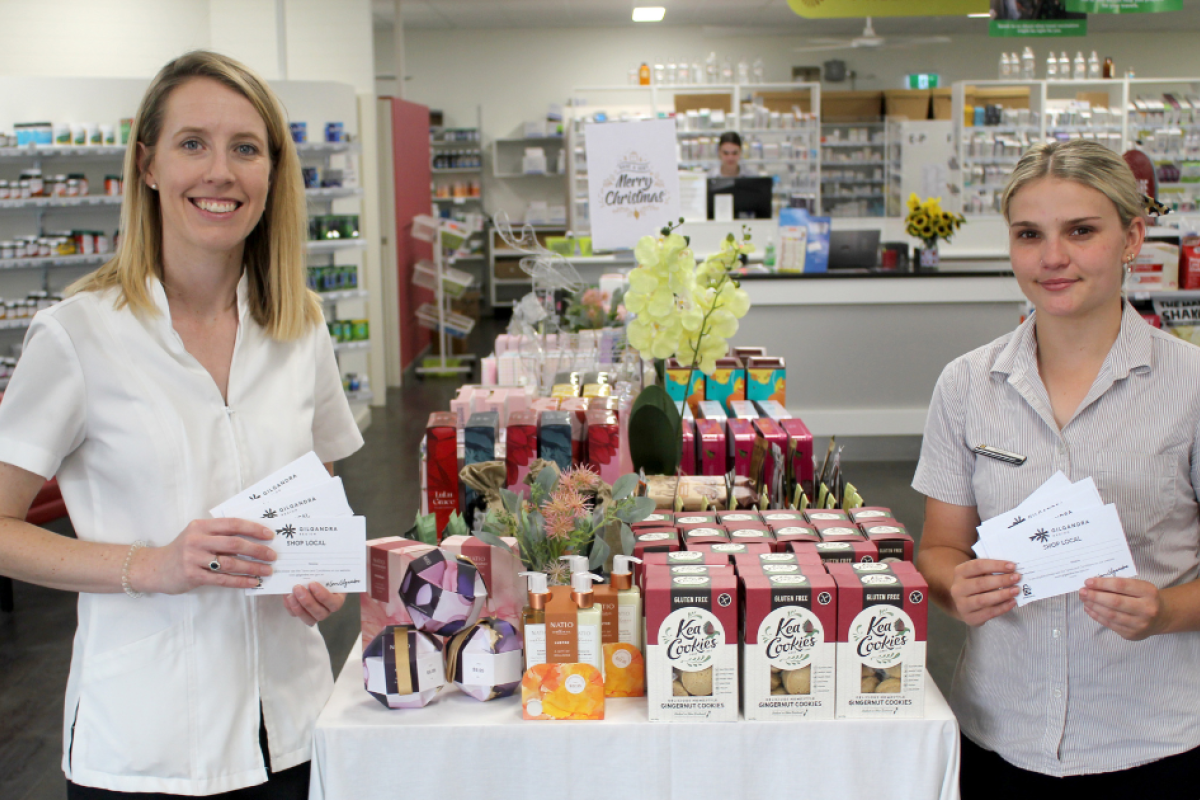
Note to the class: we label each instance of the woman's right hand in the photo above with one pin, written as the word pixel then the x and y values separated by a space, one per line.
pixel 183 564
pixel 983 589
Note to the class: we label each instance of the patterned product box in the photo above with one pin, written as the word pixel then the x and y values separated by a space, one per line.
pixel 766 379
pixel 742 409
pixel 653 540
pixel 521 447
pixel 479 440
pixel 692 649
pixel 663 573
pixel 763 565
pixel 506 595
pixel 554 438
pixel 685 518
pixel 769 429
pixel 711 409
pixel 387 561
pixel 739 435
pixel 838 552
pixel 769 409
pixel 881 636
pixel 441 468
pixel 727 383
pixel 604 443
pixel 577 407
pixel 802 463
pixel 684 384
pixel 711 448
pixel 687 452
pixel 789 645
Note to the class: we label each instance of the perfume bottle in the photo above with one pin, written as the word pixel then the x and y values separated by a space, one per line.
pixel 533 619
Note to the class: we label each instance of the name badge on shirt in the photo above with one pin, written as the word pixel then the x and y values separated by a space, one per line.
pixel 1000 455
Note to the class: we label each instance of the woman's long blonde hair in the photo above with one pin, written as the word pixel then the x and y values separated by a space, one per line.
pixel 1084 162
pixel 274 254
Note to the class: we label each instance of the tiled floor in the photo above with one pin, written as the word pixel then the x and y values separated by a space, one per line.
pixel 382 484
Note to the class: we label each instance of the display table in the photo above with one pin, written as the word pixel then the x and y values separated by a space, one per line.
pixel 458 747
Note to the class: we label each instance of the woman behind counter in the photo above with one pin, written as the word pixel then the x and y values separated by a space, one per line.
pixel 190 366
pixel 729 148
pixel 1093 691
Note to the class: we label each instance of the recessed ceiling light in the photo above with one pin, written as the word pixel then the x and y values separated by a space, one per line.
pixel 984 15
pixel 649 14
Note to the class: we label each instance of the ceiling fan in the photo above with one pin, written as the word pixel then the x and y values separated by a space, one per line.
pixel 869 40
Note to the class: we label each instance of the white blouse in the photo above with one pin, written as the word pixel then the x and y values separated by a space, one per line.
pixel 164 691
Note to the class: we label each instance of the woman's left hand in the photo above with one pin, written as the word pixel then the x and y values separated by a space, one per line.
pixel 313 603
pixel 1134 609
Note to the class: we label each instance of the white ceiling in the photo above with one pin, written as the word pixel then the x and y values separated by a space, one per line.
pixel 720 17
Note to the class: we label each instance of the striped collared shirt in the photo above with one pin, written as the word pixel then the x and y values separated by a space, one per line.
pixel 1044 686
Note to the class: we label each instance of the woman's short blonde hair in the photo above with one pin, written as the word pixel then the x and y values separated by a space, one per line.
pixel 274 254
pixel 1084 162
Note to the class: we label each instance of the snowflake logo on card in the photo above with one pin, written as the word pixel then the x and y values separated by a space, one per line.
pixel 1017 520
pixel 1040 536
pixel 270 513
pixel 287 531
pixel 255 497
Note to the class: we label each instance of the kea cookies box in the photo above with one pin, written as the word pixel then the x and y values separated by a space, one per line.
pixel 788 649
pixel 882 613
pixel 691 648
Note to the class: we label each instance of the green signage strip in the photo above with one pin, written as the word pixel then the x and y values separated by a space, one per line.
pixel 921 81
pixel 1123 6
pixel 815 9
pixel 1038 27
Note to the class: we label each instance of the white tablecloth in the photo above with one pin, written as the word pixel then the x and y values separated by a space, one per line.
pixel 457 747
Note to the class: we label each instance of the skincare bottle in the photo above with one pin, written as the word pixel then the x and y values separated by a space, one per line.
pixel 1093 66
pixel 1064 66
pixel 1027 64
pixel 1051 67
pixel 1080 72
pixel 644 74
pixel 533 619
pixel 629 601
pixel 576 563
pixel 587 620
pixel 1005 67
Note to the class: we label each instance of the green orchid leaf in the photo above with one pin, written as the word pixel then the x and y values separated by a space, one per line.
pixel 654 432
pixel 625 486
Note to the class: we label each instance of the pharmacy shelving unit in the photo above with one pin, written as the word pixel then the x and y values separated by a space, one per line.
pixel 508 156
pixel 854 168
pixel 509 283
pixel 893 158
pixel 458 192
pixel 1167 129
pixel 790 155
pixel 349 302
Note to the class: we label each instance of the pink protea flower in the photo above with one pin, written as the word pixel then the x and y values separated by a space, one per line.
pixel 592 297
pixel 581 479
pixel 563 510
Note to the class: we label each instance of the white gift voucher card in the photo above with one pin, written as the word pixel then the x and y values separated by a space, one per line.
pixel 1060 536
pixel 328 550
pixel 304 471
pixel 633 180
pixel 325 499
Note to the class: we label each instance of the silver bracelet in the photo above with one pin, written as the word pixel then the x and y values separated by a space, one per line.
pixel 125 570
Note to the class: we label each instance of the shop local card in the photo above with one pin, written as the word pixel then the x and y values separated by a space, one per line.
pixel 304 471
pixel 328 550
pixel 326 499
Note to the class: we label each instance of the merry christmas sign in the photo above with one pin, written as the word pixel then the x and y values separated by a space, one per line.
pixel 633 180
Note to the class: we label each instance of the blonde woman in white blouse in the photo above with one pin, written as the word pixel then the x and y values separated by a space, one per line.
pixel 190 366
pixel 1093 691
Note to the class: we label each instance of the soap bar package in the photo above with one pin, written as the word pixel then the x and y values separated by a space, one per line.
pixel 786 533
pixel 658 519
pixel 839 532
pixel 562 691
pixel 402 667
pixel 739 516
pixel 485 660
pixel 711 450
pixel 443 592
pixel 521 449
pixel 749 532
pixel 732 549
pixel 772 517
pixel 728 382
pixel 692 649
pixel 703 534
pixel 387 561
pixel 506 589
pixel 674 558
pixel 881 635
pixel 441 467
pixel 766 379
pixel 870 514
pixel 789 645
pixel 823 515
pixel 554 438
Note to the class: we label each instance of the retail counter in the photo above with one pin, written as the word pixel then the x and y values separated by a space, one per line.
pixel 865 350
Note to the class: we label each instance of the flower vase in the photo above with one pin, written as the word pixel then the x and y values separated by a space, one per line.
pixel 929 255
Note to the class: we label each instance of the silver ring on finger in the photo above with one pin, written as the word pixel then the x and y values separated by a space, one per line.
pixel 215 565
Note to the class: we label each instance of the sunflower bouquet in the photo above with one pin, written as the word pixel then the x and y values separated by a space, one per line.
pixel 928 222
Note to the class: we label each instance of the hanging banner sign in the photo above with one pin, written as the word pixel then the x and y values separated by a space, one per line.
pixel 633 181
pixel 1123 6
pixel 1038 27
pixel 822 9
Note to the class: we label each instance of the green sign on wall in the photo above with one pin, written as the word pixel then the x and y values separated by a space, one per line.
pixel 816 9
pixel 921 80
pixel 1123 6
pixel 1038 27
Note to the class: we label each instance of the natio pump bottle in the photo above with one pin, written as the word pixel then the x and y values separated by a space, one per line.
pixel 587 620
pixel 533 619
pixel 629 601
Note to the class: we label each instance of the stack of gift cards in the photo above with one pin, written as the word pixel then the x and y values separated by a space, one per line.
pixel 317 536
pixel 1060 536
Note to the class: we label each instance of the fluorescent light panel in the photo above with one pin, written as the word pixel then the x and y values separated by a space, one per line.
pixel 984 15
pixel 649 13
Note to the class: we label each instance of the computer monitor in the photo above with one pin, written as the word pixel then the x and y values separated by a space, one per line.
pixel 751 196
pixel 853 249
